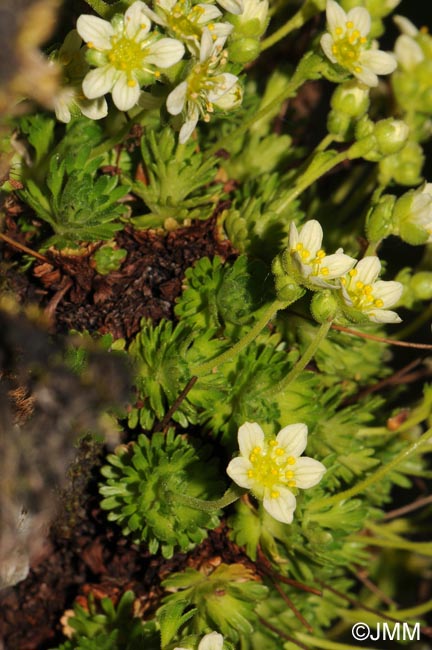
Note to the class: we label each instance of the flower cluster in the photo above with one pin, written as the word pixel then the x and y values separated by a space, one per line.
pixel 347 44
pixel 272 469
pixel 171 42
pixel 357 294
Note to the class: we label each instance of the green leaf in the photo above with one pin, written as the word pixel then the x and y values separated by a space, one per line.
pixel 171 618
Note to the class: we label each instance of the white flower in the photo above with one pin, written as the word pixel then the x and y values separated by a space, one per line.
pixel 212 641
pixel 346 43
pixel 406 26
pixel 232 6
pixel 205 88
pixel 408 52
pixel 311 260
pixel 254 11
pixel 420 213
pixel 186 21
pixel 362 291
pixel 127 55
pixel 70 98
pixel 272 469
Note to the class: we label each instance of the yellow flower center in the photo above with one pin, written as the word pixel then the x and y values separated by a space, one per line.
pixel 272 467
pixel 347 46
pixel 182 21
pixel 361 294
pixel 126 54
pixel 314 262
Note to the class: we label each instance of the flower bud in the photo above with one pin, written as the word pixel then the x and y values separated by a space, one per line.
pixel 391 135
pixel 379 223
pixel 351 98
pixel 338 124
pixel 403 167
pixel 253 20
pixel 244 50
pixel 287 289
pixel 421 285
pixel 324 306
pixel 413 215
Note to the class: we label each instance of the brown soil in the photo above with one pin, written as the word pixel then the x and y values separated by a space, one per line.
pixel 83 553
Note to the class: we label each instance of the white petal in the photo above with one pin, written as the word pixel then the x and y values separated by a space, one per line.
pixel 95 30
pixel 250 435
pixel 94 109
pixel 282 508
pixel 125 96
pixel 293 439
pixel 337 264
pixel 368 269
pixel 311 236
pixel 224 83
pixel 336 17
pixel 326 44
pixel 136 21
pixel 233 6
pixel 61 107
pixel 209 13
pixel 188 128
pixel 165 52
pixel 384 316
pixel 388 292
pixel 293 236
pixel 207 45
pixel 231 99
pixel 406 26
pixel 154 17
pixel 308 472
pixel 237 470
pixel 367 77
pixel 176 99
pixel 378 61
pixel 222 31
pixel 408 52
pixel 99 81
pixel 361 19
pixel 212 641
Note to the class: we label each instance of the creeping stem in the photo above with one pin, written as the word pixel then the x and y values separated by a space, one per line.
pixel 268 314
pixel 375 477
pixel 306 357
pixel 232 494
pixel 307 11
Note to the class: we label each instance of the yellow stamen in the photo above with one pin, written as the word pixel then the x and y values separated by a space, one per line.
pixel 291 483
pixel 290 460
pixel 279 451
pixel 274 494
pixel 378 302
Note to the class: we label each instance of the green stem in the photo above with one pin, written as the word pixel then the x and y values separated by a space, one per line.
pixel 375 477
pixel 308 68
pixel 100 7
pixel 268 314
pixel 295 22
pixel 309 177
pixel 109 144
pixel 232 494
pixel 305 358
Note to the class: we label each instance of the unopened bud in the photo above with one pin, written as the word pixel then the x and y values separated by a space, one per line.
pixel 244 50
pixel 351 98
pixel 379 223
pixel 391 135
pixel 324 306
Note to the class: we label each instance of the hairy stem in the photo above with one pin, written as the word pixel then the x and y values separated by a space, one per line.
pixel 375 477
pixel 268 314
pixel 232 494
